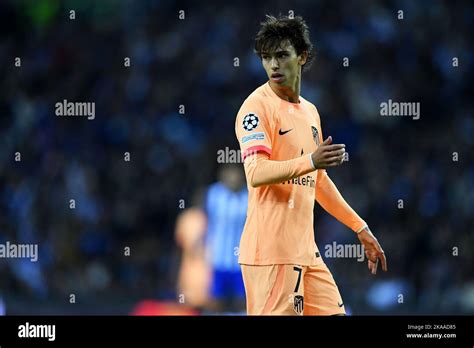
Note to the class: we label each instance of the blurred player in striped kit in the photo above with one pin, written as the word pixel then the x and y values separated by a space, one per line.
pixel 226 207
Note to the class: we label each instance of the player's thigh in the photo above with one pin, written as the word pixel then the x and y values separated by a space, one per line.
pixel 322 295
pixel 273 289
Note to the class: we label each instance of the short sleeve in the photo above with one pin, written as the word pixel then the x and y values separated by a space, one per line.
pixel 253 127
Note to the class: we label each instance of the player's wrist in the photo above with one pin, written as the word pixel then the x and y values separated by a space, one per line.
pixel 363 228
pixel 312 162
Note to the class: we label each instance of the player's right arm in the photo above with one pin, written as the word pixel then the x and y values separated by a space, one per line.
pixel 262 171
pixel 254 129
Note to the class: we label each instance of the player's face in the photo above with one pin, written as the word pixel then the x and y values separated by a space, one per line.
pixel 283 65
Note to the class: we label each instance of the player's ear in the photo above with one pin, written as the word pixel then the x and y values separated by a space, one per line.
pixel 303 57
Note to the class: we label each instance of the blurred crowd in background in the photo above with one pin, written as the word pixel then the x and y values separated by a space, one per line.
pixel 174 108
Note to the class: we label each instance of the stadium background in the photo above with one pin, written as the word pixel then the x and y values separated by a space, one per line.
pixel 191 62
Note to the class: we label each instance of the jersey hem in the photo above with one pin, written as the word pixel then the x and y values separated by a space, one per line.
pixel 282 262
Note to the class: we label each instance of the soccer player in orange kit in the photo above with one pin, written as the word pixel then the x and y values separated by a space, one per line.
pixel 285 161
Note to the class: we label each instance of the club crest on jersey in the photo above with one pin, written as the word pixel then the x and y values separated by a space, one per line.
pixel 298 304
pixel 315 135
pixel 250 122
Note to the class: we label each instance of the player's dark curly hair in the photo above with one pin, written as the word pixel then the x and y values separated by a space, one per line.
pixel 275 30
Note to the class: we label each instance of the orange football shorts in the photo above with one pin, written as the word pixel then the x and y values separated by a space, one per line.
pixel 291 290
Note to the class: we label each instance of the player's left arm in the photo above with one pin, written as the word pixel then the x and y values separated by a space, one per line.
pixel 329 197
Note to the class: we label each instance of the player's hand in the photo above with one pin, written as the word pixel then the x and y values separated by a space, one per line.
pixel 373 250
pixel 328 155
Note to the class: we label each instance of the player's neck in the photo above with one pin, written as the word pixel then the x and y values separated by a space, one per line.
pixel 289 93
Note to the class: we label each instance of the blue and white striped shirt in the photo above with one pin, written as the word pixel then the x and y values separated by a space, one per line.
pixel 226 213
